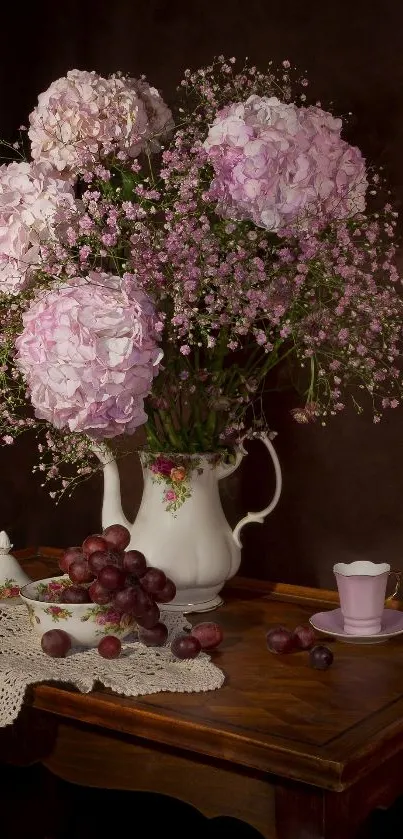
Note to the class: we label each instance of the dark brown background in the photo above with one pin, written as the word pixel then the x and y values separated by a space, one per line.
pixel 343 485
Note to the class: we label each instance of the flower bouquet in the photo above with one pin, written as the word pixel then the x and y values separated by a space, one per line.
pixel 154 269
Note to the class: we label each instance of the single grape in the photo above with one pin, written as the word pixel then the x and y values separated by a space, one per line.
pixel 320 657
pixel 56 643
pixel 167 593
pixel 80 572
pixel 143 603
pixel 209 634
pixel 135 563
pixel 150 617
pixel 126 600
pixel 98 594
pixel 185 646
pixel 75 594
pixel 70 555
pixel 280 640
pixel 111 577
pixel 154 637
pixel 98 560
pixel 94 543
pixel 117 536
pixel 304 637
pixel 153 580
pixel 109 647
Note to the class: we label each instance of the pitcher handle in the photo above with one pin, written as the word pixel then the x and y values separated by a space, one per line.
pixel 258 518
pixel 398 575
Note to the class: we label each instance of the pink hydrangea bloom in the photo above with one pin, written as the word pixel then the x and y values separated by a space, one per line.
pixel 83 116
pixel 89 355
pixel 30 198
pixel 275 163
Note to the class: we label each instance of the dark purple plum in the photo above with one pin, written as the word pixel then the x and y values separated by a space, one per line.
pixel 154 637
pixel 94 543
pixel 98 594
pixel 75 594
pixel 70 555
pixel 304 637
pixel 280 640
pixel 167 593
pixel 109 647
pixel 153 580
pixel 185 646
pixel 320 657
pixel 117 536
pixel 209 634
pixel 150 617
pixel 112 577
pixel 80 572
pixel 56 643
pixel 135 563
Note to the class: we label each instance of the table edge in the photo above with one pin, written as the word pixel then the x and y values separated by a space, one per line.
pixel 334 767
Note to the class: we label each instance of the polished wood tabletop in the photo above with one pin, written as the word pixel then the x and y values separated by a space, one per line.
pixel 276 720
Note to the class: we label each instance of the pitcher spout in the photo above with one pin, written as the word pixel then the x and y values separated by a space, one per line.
pixel 112 512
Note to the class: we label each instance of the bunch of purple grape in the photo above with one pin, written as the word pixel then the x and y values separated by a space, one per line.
pixel 282 640
pixel 102 571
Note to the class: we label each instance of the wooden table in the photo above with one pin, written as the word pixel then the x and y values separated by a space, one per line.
pixel 296 753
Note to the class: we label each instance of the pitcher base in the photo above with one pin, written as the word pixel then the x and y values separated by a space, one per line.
pixel 192 608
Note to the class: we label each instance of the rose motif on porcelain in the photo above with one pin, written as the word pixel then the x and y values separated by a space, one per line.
pixel 84 622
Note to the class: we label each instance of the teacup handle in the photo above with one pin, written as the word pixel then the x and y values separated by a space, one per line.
pixel 398 575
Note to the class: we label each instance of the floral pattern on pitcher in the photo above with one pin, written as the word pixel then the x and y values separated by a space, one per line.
pixel 110 621
pixel 175 473
pixel 57 613
pixel 9 588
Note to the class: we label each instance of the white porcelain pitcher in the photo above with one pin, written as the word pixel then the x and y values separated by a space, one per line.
pixel 180 526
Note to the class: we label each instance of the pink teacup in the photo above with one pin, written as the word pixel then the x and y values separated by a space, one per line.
pixel 362 591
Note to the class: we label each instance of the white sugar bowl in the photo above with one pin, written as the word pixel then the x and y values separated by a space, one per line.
pixel 12 577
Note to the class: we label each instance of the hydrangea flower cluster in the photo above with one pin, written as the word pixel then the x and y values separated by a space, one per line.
pixel 84 117
pixel 31 196
pixel 244 241
pixel 88 354
pixel 277 164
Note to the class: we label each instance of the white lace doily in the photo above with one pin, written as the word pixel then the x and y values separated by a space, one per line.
pixel 140 670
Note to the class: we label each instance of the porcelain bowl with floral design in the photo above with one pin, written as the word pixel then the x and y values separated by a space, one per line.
pixel 86 623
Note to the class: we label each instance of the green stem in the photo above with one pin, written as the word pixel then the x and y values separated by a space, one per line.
pixel 210 428
pixel 173 436
pixel 152 438
pixel 197 425
pixel 150 167
pixel 312 382
pixel 273 363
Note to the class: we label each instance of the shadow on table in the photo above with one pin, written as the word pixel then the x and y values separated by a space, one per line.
pixel 35 804
pixel 97 811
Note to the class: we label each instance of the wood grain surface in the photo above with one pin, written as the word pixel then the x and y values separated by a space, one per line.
pixel 275 714
pixel 293 752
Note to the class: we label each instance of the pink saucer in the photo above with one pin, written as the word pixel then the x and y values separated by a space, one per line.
pixel 331 623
